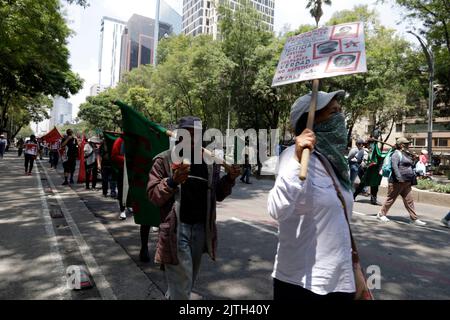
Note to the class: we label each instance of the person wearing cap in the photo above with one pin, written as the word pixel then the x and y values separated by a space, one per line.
pixel 186 193
pixel 314 255
pixel 355 158
pixel 91 162
pixel 400 182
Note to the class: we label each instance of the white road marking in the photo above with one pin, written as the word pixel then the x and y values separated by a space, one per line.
pixel 102 284
pixel 255 226
pixel 63 291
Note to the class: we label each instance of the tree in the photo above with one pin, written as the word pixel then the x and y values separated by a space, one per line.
pixel 99 112
pixel 434 15
pixel 315 7
pixel 33 54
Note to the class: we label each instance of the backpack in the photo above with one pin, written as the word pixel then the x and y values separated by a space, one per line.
pixel 386 169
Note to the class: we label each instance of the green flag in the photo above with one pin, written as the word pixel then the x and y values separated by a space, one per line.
pixel 143 140
pixel 109 138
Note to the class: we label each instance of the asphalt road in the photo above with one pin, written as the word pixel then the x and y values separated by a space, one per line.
pixel 413 261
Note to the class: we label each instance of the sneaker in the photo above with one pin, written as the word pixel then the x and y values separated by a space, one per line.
pixel 382 218
pixel 65 183
pixel 445 223
pixel 130 210
pixel 418 222
pixel 154 229
pixel 29 173
pixel 123 215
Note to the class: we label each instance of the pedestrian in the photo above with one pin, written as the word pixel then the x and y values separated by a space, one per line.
pixel 31 151
pixel 107 171
pixel 355 158
pixel 91 155
pixel 247 170
pixel 400 182
pixel 370 172
pixel 54 153
pixel 41 148
pixel 70 146
pixel 446 220
pixel 421 165
pixel 314 255
pixel 20 144
pixel 118 158
pixel 186 195
pixel 3 144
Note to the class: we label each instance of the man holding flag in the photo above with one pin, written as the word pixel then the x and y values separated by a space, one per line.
pixel 186 195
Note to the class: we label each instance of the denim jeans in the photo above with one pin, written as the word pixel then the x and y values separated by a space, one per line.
pixel 354 168
pixel 191 245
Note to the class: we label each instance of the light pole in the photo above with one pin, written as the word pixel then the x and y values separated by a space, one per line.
pixel 430 59
pixel 156 33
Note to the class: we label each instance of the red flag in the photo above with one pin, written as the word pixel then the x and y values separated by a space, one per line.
pixel 52 136
pixel 81 171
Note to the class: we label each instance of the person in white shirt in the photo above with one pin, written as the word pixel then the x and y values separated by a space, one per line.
pixel 314 255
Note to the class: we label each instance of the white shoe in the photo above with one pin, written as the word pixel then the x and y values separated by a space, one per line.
pixel 130 210
pixel 382 218
pixel 154 229
pixel 419 222
pixel 445 223
pixel 123 215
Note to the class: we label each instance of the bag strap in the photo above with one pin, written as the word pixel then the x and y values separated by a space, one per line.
pixel 327 165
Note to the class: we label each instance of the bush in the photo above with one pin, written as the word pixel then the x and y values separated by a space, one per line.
pixel 433 186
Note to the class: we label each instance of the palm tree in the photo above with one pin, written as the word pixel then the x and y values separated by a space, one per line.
pixel 315 9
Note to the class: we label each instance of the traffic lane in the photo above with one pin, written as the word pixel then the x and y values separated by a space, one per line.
pixel 27 262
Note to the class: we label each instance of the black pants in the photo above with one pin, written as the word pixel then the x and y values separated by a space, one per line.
pixel 29 161
pixel 54 157
pixel 108 180
pixel 285 291
pixel 19 152
pixel 91 174
pixel 246 175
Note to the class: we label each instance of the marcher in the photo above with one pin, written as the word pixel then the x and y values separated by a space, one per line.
pixel 54 153
pixel 91 156
pixel 355 158
pixel 3 144
pixel 20 144
pixel 186 195
pixel 117 156
pixel 370 172
pixel 107 172
pixel 70 155
pixel 400 182
pixel 446 220
pixel 247 169
pixel 31 151
pixel 314 255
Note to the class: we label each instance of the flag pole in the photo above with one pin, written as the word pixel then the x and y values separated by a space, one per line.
pixel 312 110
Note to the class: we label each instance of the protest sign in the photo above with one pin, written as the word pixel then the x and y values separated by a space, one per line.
pixel 31 148
pixel 322 53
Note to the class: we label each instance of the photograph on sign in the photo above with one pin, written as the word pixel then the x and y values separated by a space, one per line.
pixel 345 31
pixel 343 62
pixel 322 53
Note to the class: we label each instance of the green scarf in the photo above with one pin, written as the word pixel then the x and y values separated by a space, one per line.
pixel 331 136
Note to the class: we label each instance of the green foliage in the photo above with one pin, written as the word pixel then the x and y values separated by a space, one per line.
pixel 433 186
pixel 315 7
pixel 24 132
pixel 33 55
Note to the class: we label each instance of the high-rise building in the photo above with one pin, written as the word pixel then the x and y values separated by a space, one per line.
pixel 96 89
pixel 201 16
pixel 137 41
pixel 61 112
pixel 109 54
pixel 171 16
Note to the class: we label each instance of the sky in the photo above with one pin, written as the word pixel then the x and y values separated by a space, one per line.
pixel 85 22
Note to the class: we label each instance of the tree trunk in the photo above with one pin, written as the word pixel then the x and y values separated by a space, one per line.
pixel 390 131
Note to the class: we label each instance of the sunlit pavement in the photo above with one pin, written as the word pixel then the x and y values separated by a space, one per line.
pixel 413 261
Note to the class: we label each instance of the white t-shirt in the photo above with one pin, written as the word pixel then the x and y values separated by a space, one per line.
pixel 314 248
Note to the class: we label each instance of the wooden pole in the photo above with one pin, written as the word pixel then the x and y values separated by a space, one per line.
pixel 312 110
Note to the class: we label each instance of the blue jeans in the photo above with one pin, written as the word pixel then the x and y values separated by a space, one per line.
pixel 354 168
pixel 191 245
